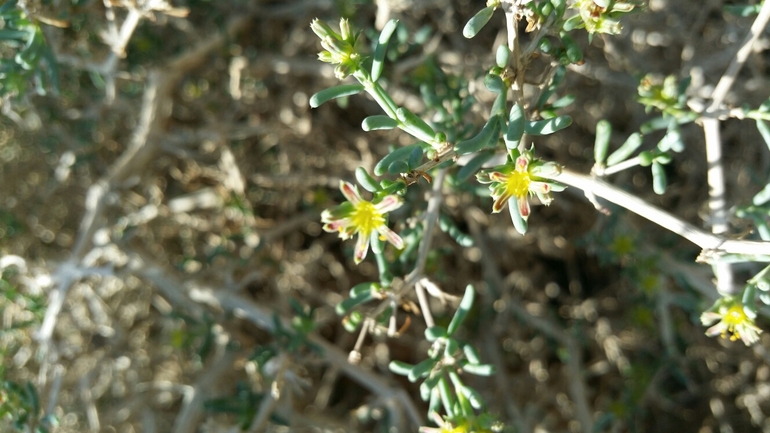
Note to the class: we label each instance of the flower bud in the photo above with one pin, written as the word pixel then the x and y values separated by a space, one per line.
pixel 322 30
pixel 326 57
pixel 345 31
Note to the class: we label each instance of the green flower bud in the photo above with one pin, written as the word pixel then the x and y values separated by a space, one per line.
pixel 345 31
pixel 322 30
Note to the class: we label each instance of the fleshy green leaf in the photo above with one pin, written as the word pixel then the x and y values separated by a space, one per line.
pixel 672 140
pixel 655 124
pixel 494 83
pixel 415 158
pixel 516 126
pixel 378 122
pixel 564 101
pixel 473 397
pixel 475 24
pixel 360 289
pixel 366 180
pixel 452 346
pixel 602 143
pixel 382 48
pixel 446 397
pixel 474 165
pixel 658 178
pixel 7 34
pixel 400 154
pixel 398 167
pixel 480 369
pixel 519 222
pixel 547 126
pixel 626 149
pixel 345 306
pixel 333 93
pixel 400 368
pixel 435 332
pixel 471 354
pixel 415 125
pixel 462 310
pixel 487 135
pixel 420 369
pixel 501 56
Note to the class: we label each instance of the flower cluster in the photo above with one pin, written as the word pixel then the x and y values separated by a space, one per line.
pixel 339 48
pixel 363 217
pixel 515 181
pixel 733 319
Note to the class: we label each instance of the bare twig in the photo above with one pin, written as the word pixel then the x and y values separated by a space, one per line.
pixel 429 224
pixel 727 80
pixel 715 174
pixel 703 239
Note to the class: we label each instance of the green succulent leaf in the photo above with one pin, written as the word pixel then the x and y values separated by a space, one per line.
pixel 487 135
pixel 602 143
pixel 462 311
pixel 494 83
pixel 659 181
pixel 420 369
pixel 398 167
pixel 334 93
pixel 516 126
pixel 501 56
pixel 415 125
pixel 547 126
pixel 366 180
pixel 474 165
pixel 479 369
pixel 625 150
pixel 400 368
pixel 400 154
pixel 382 48
pixel 475 24
pixel 378 122
pixel 435 332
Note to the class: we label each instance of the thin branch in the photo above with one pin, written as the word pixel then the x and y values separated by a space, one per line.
pixel 424 305
pixel 715 174
pixel 429 224
pixel 727 80
pixel 701 238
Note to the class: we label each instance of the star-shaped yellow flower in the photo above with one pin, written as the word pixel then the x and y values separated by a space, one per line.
pixel 362 217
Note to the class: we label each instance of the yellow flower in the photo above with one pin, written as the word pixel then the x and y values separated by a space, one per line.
pixel 733 320
pixel 362 217
pixel 513 183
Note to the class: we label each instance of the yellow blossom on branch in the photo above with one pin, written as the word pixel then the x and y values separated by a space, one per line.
pixel 358 216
